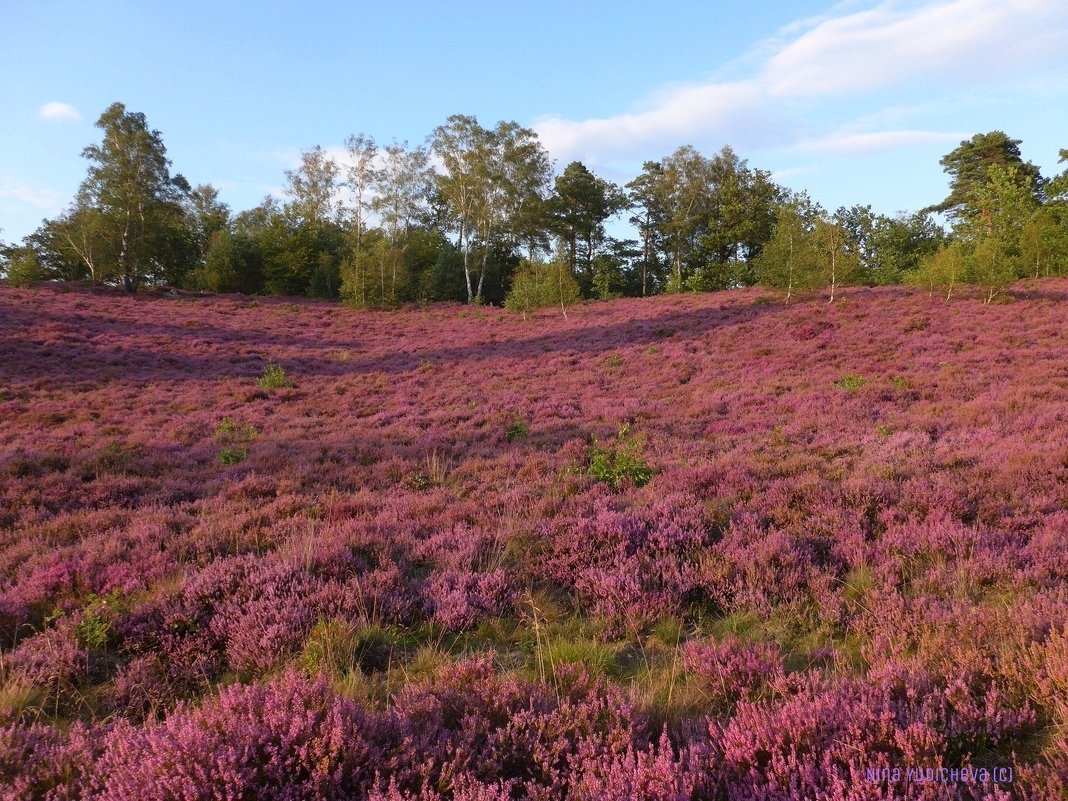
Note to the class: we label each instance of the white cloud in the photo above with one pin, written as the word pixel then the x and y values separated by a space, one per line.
pixel 724 110
pixel 37 196
pixel 59 112
pixel 857 143
pixel 895 41
pixel 816 65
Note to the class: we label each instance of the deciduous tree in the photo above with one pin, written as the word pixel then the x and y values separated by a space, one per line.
pixel 133 200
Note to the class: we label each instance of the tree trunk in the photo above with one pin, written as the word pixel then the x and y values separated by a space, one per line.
pixel 467 268
pixel 833 274
pixel 482 274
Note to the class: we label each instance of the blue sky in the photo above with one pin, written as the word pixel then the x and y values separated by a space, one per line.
pixel 854 101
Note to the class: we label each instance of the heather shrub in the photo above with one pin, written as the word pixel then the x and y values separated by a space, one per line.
pixel 151 684
pixel 819 742
pixel 496 729
pixel 818 577
pixel 38 761
pixel 264 632
pixel 54 660
pixel 461 598
pixel 661 773
pixel 289 739
pixel 730 671
pixel 756 568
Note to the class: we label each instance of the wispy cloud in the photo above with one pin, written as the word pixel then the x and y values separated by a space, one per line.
pixel 895 42
pixel 59 112
pixel 37 196
pixel 814 63
pixel 858 143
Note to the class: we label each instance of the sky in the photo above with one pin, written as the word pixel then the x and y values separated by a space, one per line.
pixel 854 102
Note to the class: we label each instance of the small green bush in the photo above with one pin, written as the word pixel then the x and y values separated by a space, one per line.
pixel 620 461
pixel 225 428
pixel 232 456
pixel 615 360
pixel 519 430
pixel 274 377
pixel 24 270
pixel 100 611
pixel 850 382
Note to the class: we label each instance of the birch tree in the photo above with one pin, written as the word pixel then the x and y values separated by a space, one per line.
pixel 130 186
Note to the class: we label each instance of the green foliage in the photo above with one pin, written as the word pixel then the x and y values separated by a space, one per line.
pixel 131 205
pixel 620 461
pixel 851 382
pixel 972 167
pixel 1044 242
pixel 23 269
pixel 234 440
pixel 535 285
pixel 518 430
pixel 942 270
pixel 232 455
pixel 704 218
pixel 274 377
pixel 98 615
pixel 226 427
pixel 526 293
pixel 373 276
pixel 614 360
pixel 899 245
pixel 790 261
pixel 580 205
pixel 560 287
pixel 838 263
pixel 991 267
pixel 337 647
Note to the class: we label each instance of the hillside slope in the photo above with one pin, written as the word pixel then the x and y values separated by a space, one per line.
pixel 811 541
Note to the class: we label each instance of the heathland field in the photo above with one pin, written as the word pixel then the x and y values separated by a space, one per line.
pixel 703 546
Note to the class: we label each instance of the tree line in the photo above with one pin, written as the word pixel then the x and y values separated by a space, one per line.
pixel 476 214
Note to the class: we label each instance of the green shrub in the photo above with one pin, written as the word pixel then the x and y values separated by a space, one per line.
pixel 850 382
pixel 535 285
pixel 274 377
pixel 24 270
pixel 231 456
pixel 225 428
pixel 620 461
pixel 519 430
pixel 100 611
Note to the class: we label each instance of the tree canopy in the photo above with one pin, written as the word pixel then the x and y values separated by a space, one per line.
pixel 478 212
pixel 130 202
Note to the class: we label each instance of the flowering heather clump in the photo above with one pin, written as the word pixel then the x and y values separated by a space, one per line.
pixel 290 739
pixel 731 671
pixel 831 538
